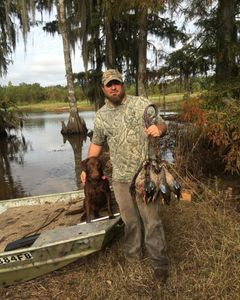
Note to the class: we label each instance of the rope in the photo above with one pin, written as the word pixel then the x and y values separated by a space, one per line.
pixel 148 120
pixel 149 185
pixel 153 142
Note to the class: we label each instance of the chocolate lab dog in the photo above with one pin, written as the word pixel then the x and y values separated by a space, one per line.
pixel 96 189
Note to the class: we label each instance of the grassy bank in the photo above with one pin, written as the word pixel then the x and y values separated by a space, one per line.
pixel 172 100
pixel 169 99
pixel 54 107
pixel 203 239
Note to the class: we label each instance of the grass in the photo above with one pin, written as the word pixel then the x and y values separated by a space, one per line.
pixel 203 239
pixel 53 106
pixel 172 99
pixel 175 97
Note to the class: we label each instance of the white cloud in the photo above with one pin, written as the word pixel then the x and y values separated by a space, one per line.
pixel 47 63
pixel 43 62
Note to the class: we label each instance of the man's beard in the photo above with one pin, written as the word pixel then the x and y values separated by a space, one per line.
pixel 117 99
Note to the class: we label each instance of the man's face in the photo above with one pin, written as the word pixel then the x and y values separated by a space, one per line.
pixel 114 91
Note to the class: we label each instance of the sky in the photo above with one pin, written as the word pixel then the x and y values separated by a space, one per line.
pixel 42 62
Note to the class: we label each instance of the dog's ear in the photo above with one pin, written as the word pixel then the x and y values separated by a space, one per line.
pixel 103 163
pixel 84 164
pixel 101 166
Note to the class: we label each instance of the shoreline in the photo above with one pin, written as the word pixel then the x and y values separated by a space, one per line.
pixel 169 105
pixel 53 109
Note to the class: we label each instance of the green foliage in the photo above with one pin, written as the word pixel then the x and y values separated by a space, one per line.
pixel 218 124
pixel 160 82
pixel 7 36
pixel 10 117
pixel 220 94
pixel 24 94
pixel 15 16
pixel 90 83
pixel 131 89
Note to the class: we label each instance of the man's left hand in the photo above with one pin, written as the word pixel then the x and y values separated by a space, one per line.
pixel 153 130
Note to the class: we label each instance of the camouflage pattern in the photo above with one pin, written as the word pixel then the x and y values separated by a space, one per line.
pixel 111 74
pixel 154 237
pixel 123 129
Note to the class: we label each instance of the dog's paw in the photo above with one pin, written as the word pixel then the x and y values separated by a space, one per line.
pixel 83 218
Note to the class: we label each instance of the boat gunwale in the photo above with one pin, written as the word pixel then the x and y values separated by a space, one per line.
pixel 22 250
pixel 41 199
pixel 82 237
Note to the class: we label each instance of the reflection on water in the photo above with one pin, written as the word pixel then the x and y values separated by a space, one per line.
pixel 39 161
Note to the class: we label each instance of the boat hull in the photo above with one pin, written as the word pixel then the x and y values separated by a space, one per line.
pixel 56 248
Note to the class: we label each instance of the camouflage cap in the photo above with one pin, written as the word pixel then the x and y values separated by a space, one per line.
pixel 111 74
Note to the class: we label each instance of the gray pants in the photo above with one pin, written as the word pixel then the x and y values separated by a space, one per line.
pixel 142 223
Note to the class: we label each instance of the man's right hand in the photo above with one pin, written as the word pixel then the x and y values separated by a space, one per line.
pixel 83 177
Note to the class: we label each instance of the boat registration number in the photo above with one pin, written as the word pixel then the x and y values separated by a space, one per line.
pixel 14 258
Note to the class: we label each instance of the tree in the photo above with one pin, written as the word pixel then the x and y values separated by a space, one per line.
pixel 13 15
pixel 142 52
pixel 185 63
pixel 75 124
pixel 218 39
pixel 91 23
pixel 10 117
pixel 7 36
pixel 133 21
pixel 227 45
pixel 110 54
pixel 85 24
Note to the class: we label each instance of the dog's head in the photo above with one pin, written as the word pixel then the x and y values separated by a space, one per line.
pixel 93 168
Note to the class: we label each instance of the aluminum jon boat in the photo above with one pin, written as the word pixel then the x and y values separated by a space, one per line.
pixel 33 255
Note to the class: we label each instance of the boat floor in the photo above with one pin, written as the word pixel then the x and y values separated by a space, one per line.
pixel 19 222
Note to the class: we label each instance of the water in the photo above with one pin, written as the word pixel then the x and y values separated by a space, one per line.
pixel 40 161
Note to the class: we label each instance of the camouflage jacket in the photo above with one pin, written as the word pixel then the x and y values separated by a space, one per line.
pixel 123 129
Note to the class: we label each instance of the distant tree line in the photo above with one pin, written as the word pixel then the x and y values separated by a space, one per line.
pixel 27 94
pixel 24 94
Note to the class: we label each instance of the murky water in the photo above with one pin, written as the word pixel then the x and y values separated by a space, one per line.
pixel 39 161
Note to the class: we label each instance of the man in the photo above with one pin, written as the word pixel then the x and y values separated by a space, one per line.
pixel 120 123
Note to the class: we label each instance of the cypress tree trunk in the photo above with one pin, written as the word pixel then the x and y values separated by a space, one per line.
pixel 110 53
pixel 110 56
pixel 226 68
pixel 75 124
pixel 142 53
pixel 98 95
pixel 76 143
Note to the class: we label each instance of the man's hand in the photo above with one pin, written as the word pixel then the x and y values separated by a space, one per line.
pixel 83 177
pixel 153 130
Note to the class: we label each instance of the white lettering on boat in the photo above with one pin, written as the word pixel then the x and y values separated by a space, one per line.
pixel 15 258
